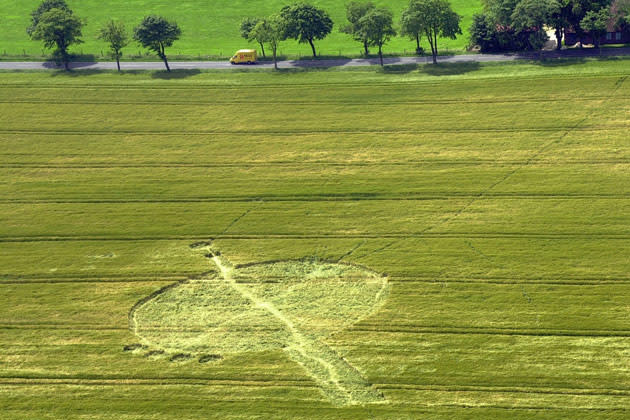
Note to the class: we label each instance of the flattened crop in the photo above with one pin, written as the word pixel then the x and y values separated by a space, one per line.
pixel 289 305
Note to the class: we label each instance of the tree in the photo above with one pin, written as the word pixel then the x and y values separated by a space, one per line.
pixel 411 25
pixel 378 26
pixel 58 28
pixel 247 25
pixel 621 13
pixel 596 23
pixel 354 12
pixel 270 30
pixel 578 11
pixel 500 10
pixel 306 23
pixel 156 33
pixel 560 21
pixel 438 20
pixel 532 16
pixel 116 35
pixel 44 7
pixel 483 33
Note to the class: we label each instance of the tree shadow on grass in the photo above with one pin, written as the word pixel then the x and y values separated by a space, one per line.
pixel 559 62
pixel 175 74
pixel 74 72
pixel 450 69
pixel 400 68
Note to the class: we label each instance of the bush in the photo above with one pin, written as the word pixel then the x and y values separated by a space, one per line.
pixel 490 37
pixel 483 33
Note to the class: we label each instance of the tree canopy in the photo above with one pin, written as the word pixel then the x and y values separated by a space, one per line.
pixel 270 30
pixel 596 23
pixel 115 34
pixel 354 12
pixel 58 28
pixel 156 33
pixel 411 25
pixel 247 25
pixel 378 27
pixel 513 30
pixel 437 19
pixel 44 7
pixel 532 16
pixel 306 23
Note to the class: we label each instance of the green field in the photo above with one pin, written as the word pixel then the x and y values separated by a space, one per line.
pixel 442 242
pixel 208 28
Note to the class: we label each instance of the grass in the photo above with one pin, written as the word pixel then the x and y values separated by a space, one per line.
pixel 210 30
pixel 494 198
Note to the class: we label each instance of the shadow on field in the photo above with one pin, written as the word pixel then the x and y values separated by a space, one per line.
pixel 60 72
pixel 560 62
pixel 450 69
pixel 400 68
pixel 175 74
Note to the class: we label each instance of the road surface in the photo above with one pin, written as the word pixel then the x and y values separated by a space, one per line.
pixel 337 62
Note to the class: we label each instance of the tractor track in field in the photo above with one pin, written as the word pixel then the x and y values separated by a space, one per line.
pixel 436 279
pixel 293 133
pixel 183 86
pixel 319 199
pixel 297 383
pixel 291 165
pixel 389 328
pixel 531 160
pixel 346 103
pixel 300 236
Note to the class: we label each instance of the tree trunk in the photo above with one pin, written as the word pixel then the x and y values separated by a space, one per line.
pixel 66 59
pixel 162 55
pixel 310 41
pixel 262 47
pixel 275 61
pixel 418 43
pixel 433 43
pixel 380 54
pixel 559 37
pixel 366 48
pixel 118 61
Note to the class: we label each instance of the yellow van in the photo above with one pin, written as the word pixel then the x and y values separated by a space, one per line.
pixel 244 57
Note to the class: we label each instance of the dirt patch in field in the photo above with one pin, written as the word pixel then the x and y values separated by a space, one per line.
pixel 181 357
pixel 210 358
pixel 134 348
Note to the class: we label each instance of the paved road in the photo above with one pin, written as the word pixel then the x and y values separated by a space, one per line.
pixel 338 62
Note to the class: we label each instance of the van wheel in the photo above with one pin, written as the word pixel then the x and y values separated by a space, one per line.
pixel 249 62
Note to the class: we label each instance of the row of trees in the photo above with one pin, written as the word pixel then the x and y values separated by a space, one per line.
pixel 520 24
pixel 368 24
pixel 54 23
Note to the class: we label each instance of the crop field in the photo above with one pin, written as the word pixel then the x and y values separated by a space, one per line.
pixel 441 242
pixel 209 28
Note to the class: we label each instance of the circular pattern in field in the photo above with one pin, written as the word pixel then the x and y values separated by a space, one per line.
pixel 258 307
